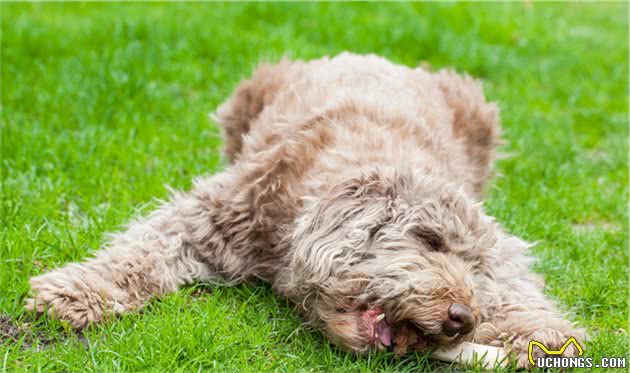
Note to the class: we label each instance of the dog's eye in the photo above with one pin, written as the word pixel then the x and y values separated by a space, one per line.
pixel 435 242
pixel 431 239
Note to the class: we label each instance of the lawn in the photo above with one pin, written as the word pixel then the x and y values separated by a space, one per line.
pixel 105 104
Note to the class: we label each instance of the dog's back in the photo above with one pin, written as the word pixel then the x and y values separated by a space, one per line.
pixel 444 112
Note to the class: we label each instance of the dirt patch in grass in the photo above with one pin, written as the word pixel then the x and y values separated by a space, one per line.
pixel 591 226
pixel 8 330
pixel 11 332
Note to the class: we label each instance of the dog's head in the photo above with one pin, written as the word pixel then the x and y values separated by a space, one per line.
pixel 389 262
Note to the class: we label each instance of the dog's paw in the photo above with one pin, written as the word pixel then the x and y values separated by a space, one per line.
pixel 551 339
pixel 61 297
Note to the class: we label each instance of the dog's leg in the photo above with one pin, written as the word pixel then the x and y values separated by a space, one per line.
pixel 514 308
pixel 197 235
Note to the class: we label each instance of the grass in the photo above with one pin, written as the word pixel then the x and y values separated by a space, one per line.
pixel 103 104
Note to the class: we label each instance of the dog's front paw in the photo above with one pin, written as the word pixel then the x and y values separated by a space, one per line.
pixel 62 296
pixel 528 349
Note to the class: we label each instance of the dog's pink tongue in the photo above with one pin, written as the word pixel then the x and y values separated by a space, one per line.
pixel 382 328
pixel 384 333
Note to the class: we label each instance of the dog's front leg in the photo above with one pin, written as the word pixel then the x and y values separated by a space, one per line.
pixel 514 308
pixel 192 237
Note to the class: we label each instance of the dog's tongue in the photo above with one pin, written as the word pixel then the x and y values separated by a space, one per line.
pixel 379 327
pixel 384 333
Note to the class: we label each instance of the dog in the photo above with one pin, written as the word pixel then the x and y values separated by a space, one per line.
pixel 354 188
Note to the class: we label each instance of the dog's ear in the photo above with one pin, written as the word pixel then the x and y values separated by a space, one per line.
pixel 369 185
pixel 334 231
pixel 356 204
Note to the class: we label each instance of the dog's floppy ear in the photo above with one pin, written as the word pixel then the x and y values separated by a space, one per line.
pixel 334 231
pixel 357 204
pixel 369 185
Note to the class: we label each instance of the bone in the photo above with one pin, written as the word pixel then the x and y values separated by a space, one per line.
pixel 468 353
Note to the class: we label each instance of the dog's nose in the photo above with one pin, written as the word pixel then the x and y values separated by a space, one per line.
pixel 460 320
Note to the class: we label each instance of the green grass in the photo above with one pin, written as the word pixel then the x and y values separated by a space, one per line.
pixel 104 104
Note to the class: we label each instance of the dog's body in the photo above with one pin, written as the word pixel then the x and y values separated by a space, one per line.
pixel 351 189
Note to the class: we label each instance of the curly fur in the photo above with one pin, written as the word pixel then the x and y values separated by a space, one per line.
pixel 352 188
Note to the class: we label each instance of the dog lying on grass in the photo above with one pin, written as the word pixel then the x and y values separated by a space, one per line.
pixel 353 189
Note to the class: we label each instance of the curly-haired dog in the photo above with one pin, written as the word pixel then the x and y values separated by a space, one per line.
pixel 352 189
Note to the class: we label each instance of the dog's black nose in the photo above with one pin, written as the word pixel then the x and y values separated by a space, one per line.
pixel 460 320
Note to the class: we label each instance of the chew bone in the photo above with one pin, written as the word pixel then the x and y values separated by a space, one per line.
pixel 469 353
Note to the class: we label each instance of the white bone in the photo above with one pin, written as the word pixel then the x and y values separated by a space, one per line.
pixel 468 353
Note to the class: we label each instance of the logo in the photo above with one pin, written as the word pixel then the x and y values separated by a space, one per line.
pixel 555 360
pixel 530 349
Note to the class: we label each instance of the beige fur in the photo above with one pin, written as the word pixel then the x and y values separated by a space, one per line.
pixel 352 189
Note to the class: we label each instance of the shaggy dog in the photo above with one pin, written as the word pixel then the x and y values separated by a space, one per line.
pixel 352 188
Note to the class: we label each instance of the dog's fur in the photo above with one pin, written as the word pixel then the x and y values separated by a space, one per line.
pixel 352 189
